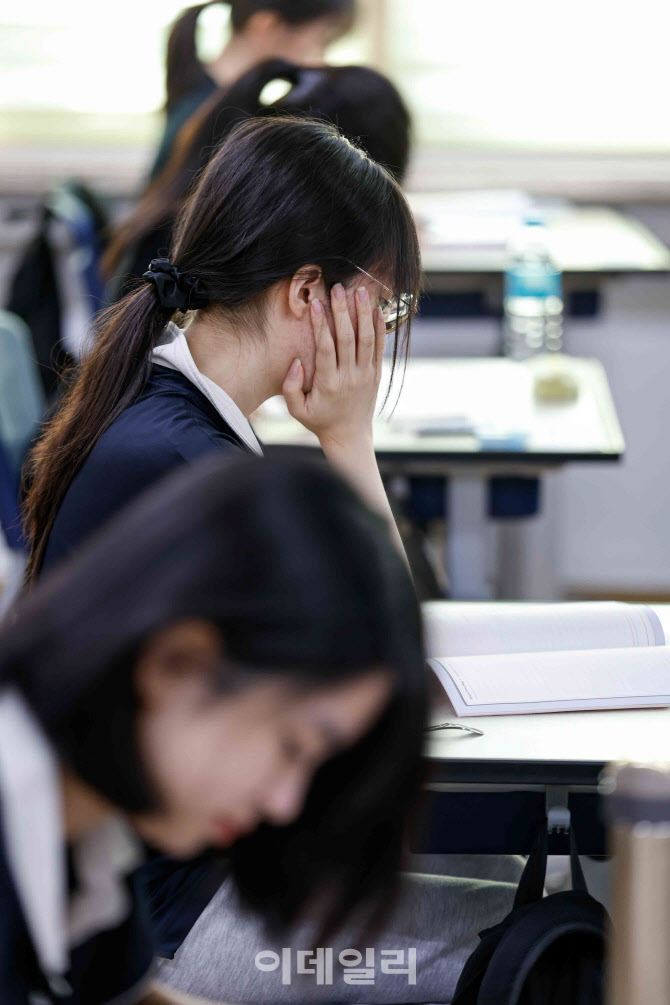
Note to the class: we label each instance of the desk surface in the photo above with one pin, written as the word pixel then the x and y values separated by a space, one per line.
pixel 554 748
pixel 463 237
pixel 496 396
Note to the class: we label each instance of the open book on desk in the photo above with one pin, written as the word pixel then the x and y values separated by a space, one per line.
pixel 524 658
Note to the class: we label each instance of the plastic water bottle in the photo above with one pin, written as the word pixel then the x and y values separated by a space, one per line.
pixel 533 297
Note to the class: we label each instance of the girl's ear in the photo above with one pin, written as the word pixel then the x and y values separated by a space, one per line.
pixel 182 653
pixel 306 285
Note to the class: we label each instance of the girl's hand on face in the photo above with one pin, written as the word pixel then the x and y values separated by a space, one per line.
pixel 340 406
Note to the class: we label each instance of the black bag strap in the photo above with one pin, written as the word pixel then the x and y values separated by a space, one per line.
pixel 531 884
pixel 578 880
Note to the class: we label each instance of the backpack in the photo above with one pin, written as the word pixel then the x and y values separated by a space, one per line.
pixel 547 951
pixel 38 291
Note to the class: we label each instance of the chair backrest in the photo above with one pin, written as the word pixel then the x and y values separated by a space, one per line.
pixel 22 401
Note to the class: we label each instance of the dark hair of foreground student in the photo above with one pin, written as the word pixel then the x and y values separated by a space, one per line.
pixel 184 71
pixel 279 195
pixel 363 104
pixel 302 581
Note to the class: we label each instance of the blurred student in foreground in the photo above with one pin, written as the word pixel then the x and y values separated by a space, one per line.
pixel 233 663
pixel 296 30
pixel 365 106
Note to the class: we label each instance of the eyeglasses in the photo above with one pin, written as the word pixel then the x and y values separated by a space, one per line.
pixel 396 310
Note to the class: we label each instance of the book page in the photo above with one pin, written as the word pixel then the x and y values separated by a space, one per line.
pixel 468 629
pixel 556 681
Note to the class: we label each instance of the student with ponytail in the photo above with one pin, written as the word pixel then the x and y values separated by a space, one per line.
pixel 297 30
pixel 363 104
pixel 297 253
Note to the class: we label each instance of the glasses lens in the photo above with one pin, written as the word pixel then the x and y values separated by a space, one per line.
pixel 397 311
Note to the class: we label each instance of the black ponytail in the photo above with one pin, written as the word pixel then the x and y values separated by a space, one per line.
pixel 184 73
pixel 111 377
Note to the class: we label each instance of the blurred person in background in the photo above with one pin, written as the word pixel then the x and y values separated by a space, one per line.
pixel 362 103
pixel 172 681
pixel 297 30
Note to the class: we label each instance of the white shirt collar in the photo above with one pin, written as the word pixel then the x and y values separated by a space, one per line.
pixel 101 861
pixel 174 352
pixel 35 847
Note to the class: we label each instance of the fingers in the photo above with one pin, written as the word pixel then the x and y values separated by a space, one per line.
pixel 345 336
pixel 292 389
pixel 326 356
pixel 366 329
pixel 380 338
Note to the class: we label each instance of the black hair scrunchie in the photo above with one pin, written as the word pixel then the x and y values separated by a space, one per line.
pixel 176 291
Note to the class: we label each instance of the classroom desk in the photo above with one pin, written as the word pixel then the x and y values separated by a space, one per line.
pixel 490 793
pixel 496 395
pixel 461 237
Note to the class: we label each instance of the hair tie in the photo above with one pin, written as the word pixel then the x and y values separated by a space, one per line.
pixel 176 291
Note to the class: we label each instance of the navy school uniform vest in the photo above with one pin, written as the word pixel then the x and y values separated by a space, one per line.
pixel 170 423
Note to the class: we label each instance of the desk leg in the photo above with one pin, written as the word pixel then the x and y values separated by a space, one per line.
pixel 527 550
pixel 469 538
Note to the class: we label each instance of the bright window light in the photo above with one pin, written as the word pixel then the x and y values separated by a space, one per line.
pixel 580 75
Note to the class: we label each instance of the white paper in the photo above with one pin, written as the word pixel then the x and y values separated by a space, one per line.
pixel 498 398
pixel 471 629
pixel 556 681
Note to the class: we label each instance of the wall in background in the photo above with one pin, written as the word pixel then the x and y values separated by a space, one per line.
pixel 614 525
